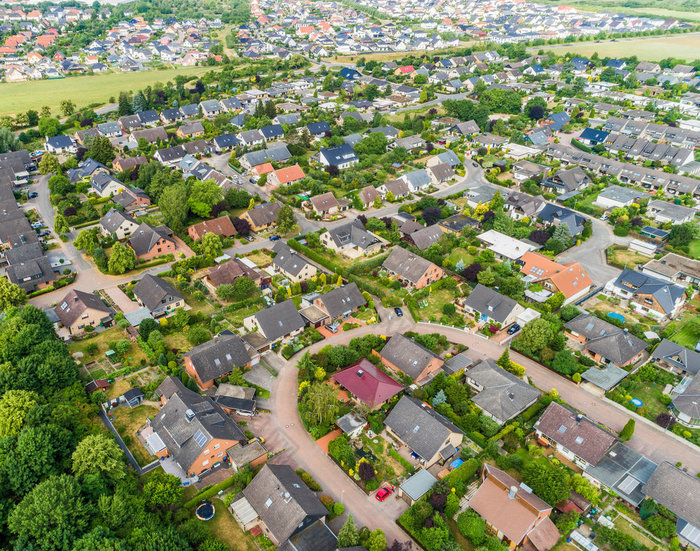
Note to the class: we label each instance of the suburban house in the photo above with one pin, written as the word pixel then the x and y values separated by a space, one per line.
pixel 686 401
pixel 652 297
pixel 192 429
pixel 676 358
pixel 623 471
pixel 229 271
pixel 513 512
pixel 500 394
pixel 575 436
pixel 341 156
pixel 368 195
pixel 604 342
pixel 504 246
pixel 427 433
pixel 286 176
pixel 148 241
pixel 79 310
pixel 132 198
pixel 520 205
pixel 190 130
pixel 217 358
pixel 60 144
pixel 280 321
pixel 426 237
pixel 567 180
pixel 220 226
pixel 406 356
pixel 555 215
pixel 325 204
pixel 675 269
pixel 282 507
pixel 664 212
pixel 157 295
pixel 527 170
pixel 367 384
pixel 261 216
pixel 489 306
pixel 412 270
pixel 341 302
pixel 118 223
pixel 105 185
pixel 569 279
pixel 28 267
pixel 679 492
pixel 618 196
pixel 351 240
pixel 291 264
pixel 457 223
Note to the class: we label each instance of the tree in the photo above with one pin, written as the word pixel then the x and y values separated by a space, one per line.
pixel 146 327
pixel 564 362
pixel 203 196
pixel 347 537
pixel 321 403
pixel 647 508
pixel 376 541
pixel 60 225
pixel 67 107
pixel 49 164
pixel 198 335
pixel 471 272
pixel 567 522
pixel 661 527
pixel 11 294
pixel 14 406
pixel 8 141
pixel 432 215
pixel 539 236
pixel 125 106
pixel 99 454
pixel 486 277
pixel 504 361
pixel 286 221
pixel 366 471
pixel 49 126
pixel 211 245
pixel 163 490
pixel 243 288
pixel 562 235
pixel 101 150
pixel 549 482
pixel 122 259
pixel 87 240
pixel 536 335
pixel 52 516
pixel 627 431
pixel 472 527
pixel 682 234
pixel 242 226
pixel 173 205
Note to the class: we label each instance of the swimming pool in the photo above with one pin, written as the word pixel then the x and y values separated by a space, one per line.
pixel 616 316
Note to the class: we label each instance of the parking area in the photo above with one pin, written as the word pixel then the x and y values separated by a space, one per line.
pixel 119 298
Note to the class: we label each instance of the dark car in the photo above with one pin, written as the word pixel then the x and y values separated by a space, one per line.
pixel 33 194
pixel 476 165
pixel 275 237
pixel 398 311
pixel 44 233
pixel 513 329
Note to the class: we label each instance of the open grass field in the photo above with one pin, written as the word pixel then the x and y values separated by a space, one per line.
pixel 684 46
pixel 657 8
pixel 18 97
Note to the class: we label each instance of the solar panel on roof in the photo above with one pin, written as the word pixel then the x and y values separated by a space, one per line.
pixel 628 484
pixel 200 438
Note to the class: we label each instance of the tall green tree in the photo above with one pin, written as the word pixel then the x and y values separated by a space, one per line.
pixel 347 537
pixel 11 294
pixel 549 482
pixel 173 205
pixel 211 245
pixel 99 454
pixel 163 490
pixel 60 225
pixel 285 219
pixel 321 403
pixel 122 259
pixel 101 150
pixel 49 164
pixel 14 407
pixel 536 335
pixel 8 141
pixel 203 196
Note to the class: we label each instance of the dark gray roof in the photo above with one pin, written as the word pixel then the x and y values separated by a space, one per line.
pixel 688 401
pixel 288 260
pixel 145 237
pixel 151 290
pixel 353 234
pixel 100 180
pixel 317 537
pixel 218 357
pixel 455 363
pixel 24 253
pixel 406 354
pixel 420 427
pixel 624 471
pixel 188 422
pixel 504 395
pixel 406 265
pixel 30 273
pixel 114 218
pixel 279 320
pixel 425 237
pixel 75 303
pixel 490 303
pixel 272 131
pixel 666 294
pixel 677 491
pixel 684 359
pixel 282 500
pixel 174 153
pixel 612 343
pixel 339 154
pixel 342 300
pixel 265 214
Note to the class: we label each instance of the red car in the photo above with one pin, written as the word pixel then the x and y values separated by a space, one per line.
pixel 383 493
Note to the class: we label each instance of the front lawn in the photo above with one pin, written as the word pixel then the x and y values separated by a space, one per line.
pixel 128 421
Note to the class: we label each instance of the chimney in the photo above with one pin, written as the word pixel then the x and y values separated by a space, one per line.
pixel 579 417
pixel 189 415
pixel 512 492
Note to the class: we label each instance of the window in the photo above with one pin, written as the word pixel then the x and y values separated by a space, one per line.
pixel 205 463
pixel 219 454
pixel 217 446
pixel 206 451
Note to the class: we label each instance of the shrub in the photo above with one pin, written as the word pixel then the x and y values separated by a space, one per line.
pixel 661 527
pixel 472 527
pixel 327 502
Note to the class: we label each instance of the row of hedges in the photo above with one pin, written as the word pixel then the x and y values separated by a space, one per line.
pixel 244 477
pixel 404 463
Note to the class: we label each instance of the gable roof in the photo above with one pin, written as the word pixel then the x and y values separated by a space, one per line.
pixel 490 303
pixel 575 432
pixel 666 294
pixel 288 260
pixel 282 500
pixel 420 427
pixel 342 300
pixel 150 290
pixel 114 219
pixel 504 395
pixel 218 357
pixel 407 355
pixel 683 358
pixel 145 237
pixel 279 320
pixel 368 383
pixel 219 226
pixel 353 234
pixel 74 305
pixel 264 214
pixel 290 174
pixel 324 202
pixel 407 265
pixel 425 237
pixel 568 278
pixel 677 491
pixel 611 342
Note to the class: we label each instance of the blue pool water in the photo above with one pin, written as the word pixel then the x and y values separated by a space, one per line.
pixel 616 316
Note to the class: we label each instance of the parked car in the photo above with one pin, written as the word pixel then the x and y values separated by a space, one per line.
pixel 513 329
pixel 37 225
pixel 398 311
pixel 476 165
pixel 32 194
pixel 44 233
pixel 249 238
pixel 275 238
pixel 383 493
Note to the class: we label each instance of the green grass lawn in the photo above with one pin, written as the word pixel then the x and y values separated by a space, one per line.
pixel 649 394
pixel 18 97
pixel 224 528
pixel 460 254
pixel 127 421
pixel 436 301
pixel 689 332
pixel 135 354
pixel 695 249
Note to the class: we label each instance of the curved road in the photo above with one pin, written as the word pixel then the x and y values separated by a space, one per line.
pixel 649 440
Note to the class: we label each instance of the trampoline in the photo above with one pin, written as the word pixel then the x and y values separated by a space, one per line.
pixel 205 510
pixel 636 402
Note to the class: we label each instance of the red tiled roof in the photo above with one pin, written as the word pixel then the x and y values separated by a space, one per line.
pixel 368 383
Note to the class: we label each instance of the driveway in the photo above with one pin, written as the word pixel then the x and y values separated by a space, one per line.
pixel 123 302
pixel 259 376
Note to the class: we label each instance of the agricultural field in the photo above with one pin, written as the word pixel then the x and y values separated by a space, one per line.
pixel 18 97
pixel 684 46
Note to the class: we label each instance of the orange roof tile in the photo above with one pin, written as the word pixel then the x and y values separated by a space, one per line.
pixel 567 278
pixel 290 174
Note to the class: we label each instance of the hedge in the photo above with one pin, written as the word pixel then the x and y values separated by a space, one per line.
pixel 576 143
pixel 477 437
pixel 404 463
pixel 313 255
pixel 533 410
pixel 211 491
